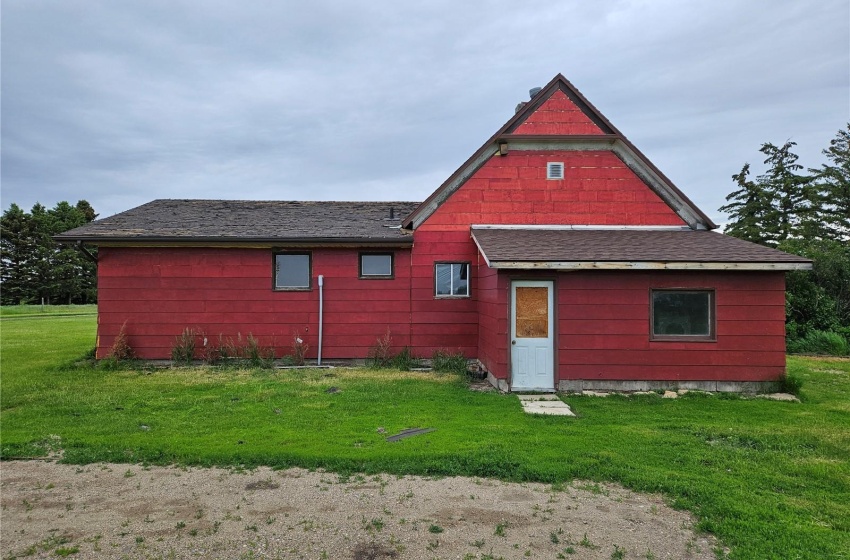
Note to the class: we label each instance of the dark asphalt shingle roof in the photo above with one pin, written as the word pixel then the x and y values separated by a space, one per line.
pixel 249 220
pixel 626 245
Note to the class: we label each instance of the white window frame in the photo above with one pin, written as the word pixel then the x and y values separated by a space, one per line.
pixel 451 293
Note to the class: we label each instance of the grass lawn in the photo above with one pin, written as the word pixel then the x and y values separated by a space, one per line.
pixel 46 310
pixel 770 479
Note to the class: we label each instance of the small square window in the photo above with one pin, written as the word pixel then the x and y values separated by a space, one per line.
pixel 555 170
pixel 292 271
pixel 682 315
pixel 376 265
pixel 451 279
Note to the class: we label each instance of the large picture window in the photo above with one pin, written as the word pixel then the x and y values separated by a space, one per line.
pixel 292 271
pixel 451 279
pixel 682 315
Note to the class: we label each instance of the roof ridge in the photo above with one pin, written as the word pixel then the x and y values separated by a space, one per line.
pixel 610 134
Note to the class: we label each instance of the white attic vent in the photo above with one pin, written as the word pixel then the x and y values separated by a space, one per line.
pixel 555 170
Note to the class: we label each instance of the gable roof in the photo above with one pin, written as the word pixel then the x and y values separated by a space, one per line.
pixel 244 221
pixel 609 138
pixel 599 248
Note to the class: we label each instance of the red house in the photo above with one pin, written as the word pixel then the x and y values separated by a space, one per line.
pixel 557 255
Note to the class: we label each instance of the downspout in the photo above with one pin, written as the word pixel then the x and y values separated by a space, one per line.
pixel 321 318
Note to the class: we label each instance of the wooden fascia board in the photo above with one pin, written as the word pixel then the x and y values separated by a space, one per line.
pixel 644 265
pixel 254 244
pixel 485 152
pixel 480 250
pixel 448 188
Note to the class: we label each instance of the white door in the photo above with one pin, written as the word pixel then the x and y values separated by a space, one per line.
pixel 532 337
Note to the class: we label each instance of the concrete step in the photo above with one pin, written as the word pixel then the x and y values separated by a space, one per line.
pixel 544 404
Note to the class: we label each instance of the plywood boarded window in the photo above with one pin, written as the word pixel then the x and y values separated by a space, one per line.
pixel 532 312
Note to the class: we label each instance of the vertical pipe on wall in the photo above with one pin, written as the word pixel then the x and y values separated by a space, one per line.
pixel 321 318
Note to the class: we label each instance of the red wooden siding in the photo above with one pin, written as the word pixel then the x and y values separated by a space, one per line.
pixel 598 189
pixel 558 115
pixel 161 291
pixel 603 327
pixel 443 323
pixel 493 320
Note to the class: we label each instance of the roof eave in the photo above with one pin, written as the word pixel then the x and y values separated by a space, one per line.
pixel 271 241
pixel 650 265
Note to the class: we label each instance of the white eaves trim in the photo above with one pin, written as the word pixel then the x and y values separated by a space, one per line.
pixel 580 227
pixel 641 265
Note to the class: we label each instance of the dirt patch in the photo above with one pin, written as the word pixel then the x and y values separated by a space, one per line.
pixel 121 511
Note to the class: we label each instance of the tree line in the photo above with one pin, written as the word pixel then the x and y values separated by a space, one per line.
pixel 33 267
pixel 805 212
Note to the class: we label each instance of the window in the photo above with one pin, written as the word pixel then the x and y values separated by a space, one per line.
pixel 555 170
pixel 376 265
pixel 682 315
pixel 451 279
pixel 292 271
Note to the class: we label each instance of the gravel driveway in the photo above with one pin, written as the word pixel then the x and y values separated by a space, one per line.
pixel 51 510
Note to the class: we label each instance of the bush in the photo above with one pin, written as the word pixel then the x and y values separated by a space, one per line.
pixel 299 349
pixel 405 360
pixel 121 349
pixel 790 383
pixel 257 355
pixel 183 349
pixel 818 299
pixel 380 355
pixel 445 362
pixel 820 342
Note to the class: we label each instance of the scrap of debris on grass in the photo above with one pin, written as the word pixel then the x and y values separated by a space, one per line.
pixel 410 432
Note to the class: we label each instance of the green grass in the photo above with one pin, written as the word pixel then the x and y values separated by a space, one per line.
pixel 30 310
pixel 770 479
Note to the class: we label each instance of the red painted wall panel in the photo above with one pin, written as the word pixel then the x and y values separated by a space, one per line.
pixel 597 189
pixel 558 115
pixel 493 320
pixel 161 291
pixel 603 327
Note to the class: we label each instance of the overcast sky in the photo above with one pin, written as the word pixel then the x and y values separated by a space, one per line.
pixel 121 102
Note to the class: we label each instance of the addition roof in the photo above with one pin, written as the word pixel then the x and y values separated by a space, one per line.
pixel 589 247
pixel 248 221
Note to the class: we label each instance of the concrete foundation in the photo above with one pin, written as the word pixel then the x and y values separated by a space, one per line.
pixel 625 386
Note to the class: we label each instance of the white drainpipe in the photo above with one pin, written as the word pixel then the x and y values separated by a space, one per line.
pixel 321 320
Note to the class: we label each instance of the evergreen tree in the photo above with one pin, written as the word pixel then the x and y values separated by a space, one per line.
pixel 33 266
pixel 791 198
pixel 748 209
pixel 17 256
pixel 833 185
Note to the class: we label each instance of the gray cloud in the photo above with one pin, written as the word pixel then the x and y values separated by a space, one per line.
pixel 122 102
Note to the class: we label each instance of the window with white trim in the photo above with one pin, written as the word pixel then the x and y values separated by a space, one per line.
pixel 451 279
pixel 682 315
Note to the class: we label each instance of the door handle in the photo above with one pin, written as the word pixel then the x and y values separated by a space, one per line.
pixel 513 342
